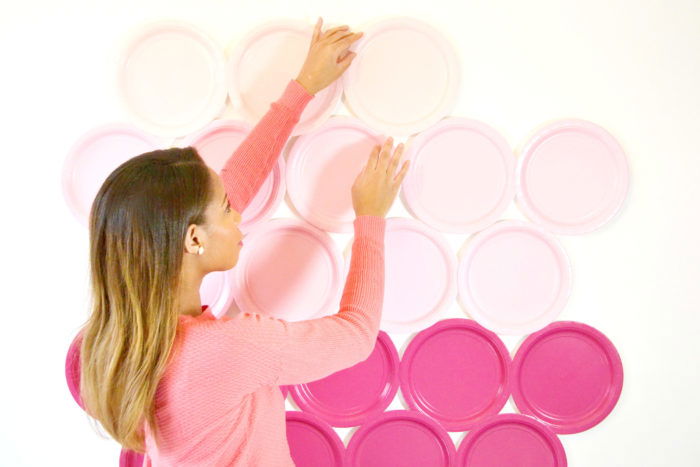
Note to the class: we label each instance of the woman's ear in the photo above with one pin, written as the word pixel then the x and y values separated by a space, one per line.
pixel 193 239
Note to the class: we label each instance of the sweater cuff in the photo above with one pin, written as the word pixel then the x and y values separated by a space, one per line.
pixel 295 96
pixel 370 226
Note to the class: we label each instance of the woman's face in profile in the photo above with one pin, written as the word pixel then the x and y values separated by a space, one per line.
pixel 223 234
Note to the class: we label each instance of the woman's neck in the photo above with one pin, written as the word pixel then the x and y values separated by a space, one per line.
pixel 190 283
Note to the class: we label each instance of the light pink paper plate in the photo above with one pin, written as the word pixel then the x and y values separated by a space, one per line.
pixel 322 167
pixel 462 175
pixel 128 458
pixel 93 156
pixel 455 372
pixel 352 396
pixel 511 440
pixel 73 368
pixel 405 77
pixel 568 375
pixel 216 143
pixel 171 77
pixel 262 64
pixel 216 291
pixel 312 442
pixel 513 277
pixel 420 275
pixel 572 177
pixel 289 270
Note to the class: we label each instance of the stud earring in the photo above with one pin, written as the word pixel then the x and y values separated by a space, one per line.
pixel 200 250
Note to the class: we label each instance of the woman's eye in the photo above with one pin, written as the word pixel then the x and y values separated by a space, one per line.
pixel 228 208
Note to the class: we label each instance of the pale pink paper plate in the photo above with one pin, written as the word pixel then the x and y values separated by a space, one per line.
pixel 216 291
pixel 93 156
pixel 401 437
pixel 572 177
pixel 73 369
pixel 289 270
pixel 312 442
pixel 511 440
pixel 456 372
pixel 216 143
pixel 262 64
pixel 420 275
pixel 513 277
pixel 322 167
pixel 171 77
pixel 128 458
pixel 352 396
pixel 568 375
pixel 405 76
pixel 462 175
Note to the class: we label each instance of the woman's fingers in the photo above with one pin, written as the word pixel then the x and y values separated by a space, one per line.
pixel 395 160
pixel 317 30
pixel 402 174
pixel 331 33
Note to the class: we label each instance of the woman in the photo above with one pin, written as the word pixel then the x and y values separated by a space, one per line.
pixel 159 372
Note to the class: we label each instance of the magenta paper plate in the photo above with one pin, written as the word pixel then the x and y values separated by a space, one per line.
pixel 352 396
pixel 285 390
pixel 419 286
pixel 455 160
pixel 216 143
pixel 568 375
pixel 216 291
pixel 513 277
pixel 94 156
pixel 171 77
pixel 397 92
pixel 129 458
pixel 322 167
pixel 261 66
pixel 312 442
pixel 73 369
pixel 455 372
pixel 511 440
pixel 289 270
pixel 572 177
pixel 401 437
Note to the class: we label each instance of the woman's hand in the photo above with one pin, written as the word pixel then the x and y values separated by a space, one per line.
pixel 328 57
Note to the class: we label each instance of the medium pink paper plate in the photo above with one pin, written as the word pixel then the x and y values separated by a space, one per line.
pixel 216 291
pixel 94 156
pixel 289 270
pixel 405 77
pixel 455 372
pixel 128 458
pixel 568 375
pixel 401 437
pixel 262 64
pixel 511 440
pixel 285 390
pixel 462 176
pixel 73 369
pixel 572 177
pixel 417 286
pixel 171 77
pixel 352 396
pixel 513 277
pixel 322 167
pixel 312 442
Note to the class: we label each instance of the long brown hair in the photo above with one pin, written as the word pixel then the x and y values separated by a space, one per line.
pixel 138 224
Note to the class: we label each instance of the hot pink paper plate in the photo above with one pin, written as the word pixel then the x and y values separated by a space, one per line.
pixel 94 156
pixel 322 167
pixel 262 64
pixel 572 177
pixel 455 160
pixel 511 440
pixel 513 277
pixel 417 286
pixel 289 270
pixel 401 437
pixel 351 396
pixel 285 390
pixel 128 458
pixel 73 369
pixel 312 442
pixel 455 372
pixel 405 77
pixel 568 375
pixel 171 77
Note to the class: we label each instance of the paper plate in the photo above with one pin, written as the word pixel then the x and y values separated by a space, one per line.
pixel 312 442
pixel 73 369
pixel 405 77
pixel 511 440
pixel 261 66
pixel 285 390
pixel 513 277
pixel 322 167
pixel 401 437
pixel 568 375
pixel 351 396
pixel 288 270
pixel 216 291
pixel 455 372
pixel 417 286
pixel 94 156
pixel 216 143
pixel 128 458
pixel 572 177
pixel 462 176
pixel 171 77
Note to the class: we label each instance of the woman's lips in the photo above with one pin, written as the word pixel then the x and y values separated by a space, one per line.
pixel 240 243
